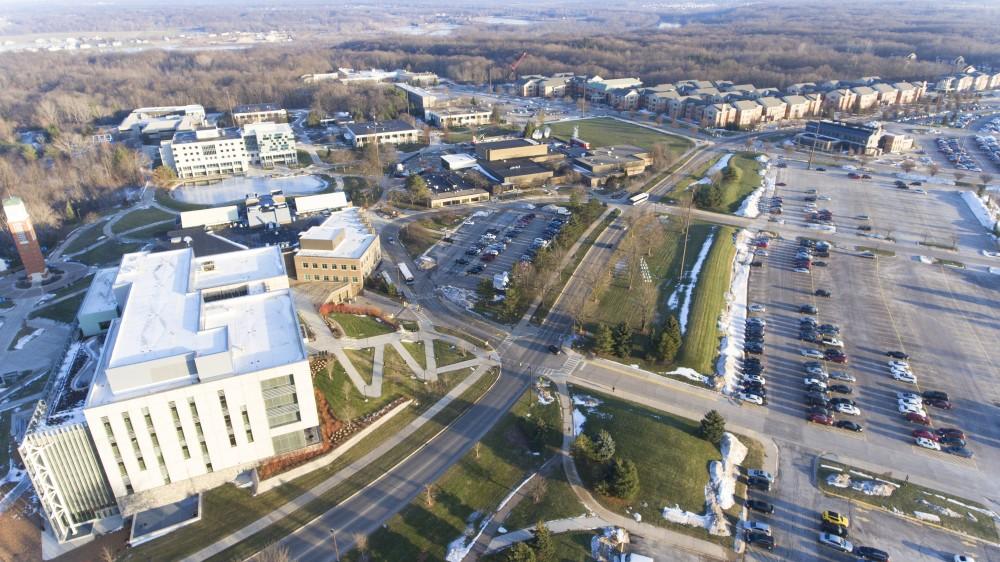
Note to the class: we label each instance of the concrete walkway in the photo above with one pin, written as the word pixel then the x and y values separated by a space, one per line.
pixel 336 479
pixel 588 523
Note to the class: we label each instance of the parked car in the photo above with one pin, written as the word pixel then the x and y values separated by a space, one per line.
pixel 835 542
pixel 758 539
pixel 921 419
pixel 849 425
pixel 759 506
pixel 897 355
pixel 836 518
pixel 940 404
pixel 870 553
pixel 814 353
pixel 822 292
pixel 757 526
pixel 757 308
pixel 842 376
pixel 950 432
pixel 820 419
pixel 751 397
pixel 838 530
pixel 808 309
pixel 952 441
pixel 927 444
pixel 935 395
pixel 849 409
pixel 958 451
pixel 840 389
pixel 762 484
pixel 924 434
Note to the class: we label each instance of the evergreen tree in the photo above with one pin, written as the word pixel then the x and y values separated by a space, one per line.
pixel 529 129
pixel 545 547
pixel 521 552
pixel 624 480
pixel 713 425
pixel 417 186
pixel 622 336
pixel 708 196
pixel 604 341
pixel 604 446
pixel 583 447
pixel 670 340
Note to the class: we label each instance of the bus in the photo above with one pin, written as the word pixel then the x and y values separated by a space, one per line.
pixel 638 198
pixel 405 272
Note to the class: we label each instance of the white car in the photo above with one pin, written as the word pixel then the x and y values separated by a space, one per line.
pixel 835 542
pixel 911 401
pixel 911 409
pixel 761 253
pixel 801 270
pixel 988 254
pixel 898 364
pixel 964 558
pixel 757 308
pixel 909 396
pixel 927 443
pixel 849 409
pixel 823 198
pixel 905 377
pixel 758 473
pixel 751 398
pixel 817 372
pixel 811 353
pixel 754 378
pixel 833 342
pixel 757 526
pixel 814 381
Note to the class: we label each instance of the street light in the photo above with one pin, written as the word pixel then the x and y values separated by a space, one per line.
pixel 336 550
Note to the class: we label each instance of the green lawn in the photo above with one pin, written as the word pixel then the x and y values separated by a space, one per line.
pixel 107 253
pixel 672 460
pixel 463 335
pixel 416 349
pixel 557 502
pixel 464 134
pixel 226 508
pixel 605 131
pixel 62 311
pixel 906 499
pixel 701 341
pixel 472 488
pixel 363 360
pixel 152 231
pixel 163 197
pixel 360 326
pixel 446 353
pixel 73 287
pixel 416 238
pixel 679 192
pixel 303 158
pixel 87 237
pixel 140 217
pixel 570 547
pixel 733 192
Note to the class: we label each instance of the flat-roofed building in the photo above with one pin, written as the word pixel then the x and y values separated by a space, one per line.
pixel 448 189
pixel 206 153
pixel 384 132
pixel 895 144
pixel 259 113
pixel 419 99
pixel 515 173
pixel 457 161
pixel 154 124
pixel 308 204
pixel 510 148
pixel 99 307
pixel 601 164
pixel 455 116
pixel 842 137
pixel 270 144
pixel 267 209
pixel 341 251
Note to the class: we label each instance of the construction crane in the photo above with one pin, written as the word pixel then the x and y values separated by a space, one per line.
pixel 517 63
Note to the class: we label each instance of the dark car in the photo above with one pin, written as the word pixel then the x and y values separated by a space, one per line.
pixel 952 441
pixel 820 264
pixel 820 419
pixel 897 355
pixel 462 261
pixel 871 553
pixel 835 356
pixel 833 528
pixel 760 539
pixel 914 417
pixel 820 410
pixel 840 388
pixel 759 483
pixel 759 506
pixel 782 165
pixel 829 329
pixel 810 198
pixel 950 432
pixel 934 395
pixel 866 176
pixel 820 169
pixel 822 292
pixel 940 404
pixel 476 269
pixel 958 451
pixel 757 264
pixel 849 425
pixel 817 401
pixel 808 309
pixel 555 349
pixel 838 401
pixel 755 349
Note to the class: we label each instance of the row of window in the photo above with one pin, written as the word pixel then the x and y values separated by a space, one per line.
pixel 343 266
pixel 334 278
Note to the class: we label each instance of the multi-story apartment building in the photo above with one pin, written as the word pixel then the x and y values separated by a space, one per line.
pixel 206 153
pixel 341 251
pixel 865 98
pixel 748 114
pixel 718 115
pixel 772 109
pixel 887 94
pixel 796 107
pixel 270 144
pixel 625 99
pixel 386 132
pixel 458 116
pixel 202 376
pixel 259 113
pixel 536 85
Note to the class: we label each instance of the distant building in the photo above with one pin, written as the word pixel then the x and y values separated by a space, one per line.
pixel 213 216
pixel 457 161
pixel 418 99
pixel 373 76
pixel 307 204
pixel 341 251
pixel 511 148
pixel 206 153
pixel 259 113
pixel 515 173
pixel 452 116
pixel 894 144
pixel 22 231
pixel 865 98
pixel 99 308
pixel 153 124
pixel 449 188
pixel 270 144
pixel 837 136
pixel 268 209
pixel 748 114
pixel 385 132
pixel 772 109
pixel 601 164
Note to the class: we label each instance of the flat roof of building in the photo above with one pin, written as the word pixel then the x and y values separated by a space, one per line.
pixel 415 90
pixel 391 126
pixel 100 295
pixel 446 183
pixel 771 102
pixel 267 127
pixel 507 143
pixel 460 110
pixel 514 167
pixel 457 161
pixel 206 135
pixel 357 236
pixel 257 108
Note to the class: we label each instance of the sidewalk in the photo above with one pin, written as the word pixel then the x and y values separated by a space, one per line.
pixel 557 526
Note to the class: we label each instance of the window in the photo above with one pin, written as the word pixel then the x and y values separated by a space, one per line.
pixel 227 418
pixel 180 430
pixel 200 432
pixel 343 266
pixel 288 442
pixel 280 401
pixel 135 442
pixel 324 266
pixel 246 424
pixel 241 291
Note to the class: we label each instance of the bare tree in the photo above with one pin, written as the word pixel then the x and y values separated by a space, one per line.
pixel 985 178
pixel 933 169
pixel 273 553
pixel 908 166
pixel 361 543
pixel 429 495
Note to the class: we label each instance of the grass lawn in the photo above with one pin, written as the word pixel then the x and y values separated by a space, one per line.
pixel 140 217
pixel 701 341
pixel 419 235
pixel 906 499
pixel 363 360
pixel 570 547
pixel 108 253
pixel 303 158
pixel 360 326
pixel 463 335
pixel 73 287
pixel 680 192
pixel 733 192
pixel 87 237
pixel 446 353
pixel 672 461
pixel 62 311
pixel 416 349
pixel 557 502
pixel 605 131
pixel 472 488
pixel 152 231
pixel 164 198
pixel 226 508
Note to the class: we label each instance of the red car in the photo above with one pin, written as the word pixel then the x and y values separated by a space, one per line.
pixel 950 432
pixel 942 404
pixel 925 433
pixel 914 417
pixel 820 419
pixel 761 243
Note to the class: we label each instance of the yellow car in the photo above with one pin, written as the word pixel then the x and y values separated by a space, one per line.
pixel 836 519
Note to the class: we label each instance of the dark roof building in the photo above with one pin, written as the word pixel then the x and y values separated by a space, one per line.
pixel 516 172
pixel 393 131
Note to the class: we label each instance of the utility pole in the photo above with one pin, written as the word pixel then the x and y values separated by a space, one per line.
pixel 336 549
pixel 687 227
pixel 812 152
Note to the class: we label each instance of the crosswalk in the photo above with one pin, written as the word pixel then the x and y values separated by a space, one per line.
pixel 567 368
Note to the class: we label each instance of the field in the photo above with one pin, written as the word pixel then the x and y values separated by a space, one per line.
pixel 558 502
pixel 733 192
pixel 228 508
pixel 907 499
pixel 702 337
pixel 62 311
pixel 679 192
pixel 419 235
pixel 471 488
pixel 635 430
pixel 605 131
pixel 570 547
pixel 138 218
pixel 107 253
pixel 447 354
pixel 357 326
pixel 416 349
pixel 87 237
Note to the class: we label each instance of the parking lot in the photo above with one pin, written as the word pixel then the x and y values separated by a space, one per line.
pixel 457 266
pixel 921 214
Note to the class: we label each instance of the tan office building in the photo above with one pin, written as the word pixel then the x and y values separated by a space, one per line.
pixel 512 148
pixel 341 251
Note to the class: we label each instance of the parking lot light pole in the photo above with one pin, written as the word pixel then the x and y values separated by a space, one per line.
pixel 336 549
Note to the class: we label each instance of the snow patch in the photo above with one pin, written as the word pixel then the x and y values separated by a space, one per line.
pixel 985 214
pixel 690 374
pixel 734 317
pixel 687 288
pixel 462 297
pixel 578 421
pixel 25 340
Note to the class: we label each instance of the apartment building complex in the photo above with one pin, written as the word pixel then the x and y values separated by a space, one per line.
pixel 259 113
pixel 230 151
pixel 202 376
pixel 342 251
pixel 387 132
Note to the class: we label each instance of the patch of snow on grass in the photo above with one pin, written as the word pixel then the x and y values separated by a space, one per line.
pixel 689 374
pixel 578 420
pixel 734 317
pixel 23 341
pixel 692 282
